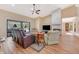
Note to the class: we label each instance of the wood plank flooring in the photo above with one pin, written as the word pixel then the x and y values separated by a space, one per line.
pixel 68 45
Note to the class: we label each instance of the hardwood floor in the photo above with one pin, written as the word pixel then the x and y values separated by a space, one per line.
pixel 68 45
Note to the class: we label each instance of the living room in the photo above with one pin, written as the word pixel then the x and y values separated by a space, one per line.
pixel 32 28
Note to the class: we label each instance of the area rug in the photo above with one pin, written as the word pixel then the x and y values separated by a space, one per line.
pixel 37 47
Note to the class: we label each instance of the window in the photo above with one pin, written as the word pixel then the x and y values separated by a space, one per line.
pixel 17 24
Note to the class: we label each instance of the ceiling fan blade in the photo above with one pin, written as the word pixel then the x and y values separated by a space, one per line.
pixel 37 11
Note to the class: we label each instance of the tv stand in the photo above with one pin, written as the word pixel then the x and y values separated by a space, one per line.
pixel 46 31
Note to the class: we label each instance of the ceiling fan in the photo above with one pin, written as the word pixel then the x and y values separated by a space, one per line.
pixel 34 10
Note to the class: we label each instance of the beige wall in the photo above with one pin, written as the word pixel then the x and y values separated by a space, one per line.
pixel 37 24
pixel 4 15
pixel 69 11
pixel 44 21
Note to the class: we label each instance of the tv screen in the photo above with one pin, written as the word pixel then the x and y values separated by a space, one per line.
pixel 46 27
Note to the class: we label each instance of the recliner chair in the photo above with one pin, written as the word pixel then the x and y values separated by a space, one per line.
pixel 25 40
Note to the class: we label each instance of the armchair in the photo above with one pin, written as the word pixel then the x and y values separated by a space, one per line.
pixel 52 37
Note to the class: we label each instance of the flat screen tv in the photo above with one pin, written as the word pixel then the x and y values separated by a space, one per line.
pixel 46 27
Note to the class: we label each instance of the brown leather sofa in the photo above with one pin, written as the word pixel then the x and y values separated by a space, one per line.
pixel 24 40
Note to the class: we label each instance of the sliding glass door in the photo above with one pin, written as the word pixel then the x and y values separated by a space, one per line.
pixel 11 24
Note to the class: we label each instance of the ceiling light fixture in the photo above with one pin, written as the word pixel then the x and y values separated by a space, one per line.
pixel 35 10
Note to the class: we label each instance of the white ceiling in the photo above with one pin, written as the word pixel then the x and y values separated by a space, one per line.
pixel 26 9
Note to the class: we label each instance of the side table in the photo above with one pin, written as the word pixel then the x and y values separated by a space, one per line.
pixel 39 38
